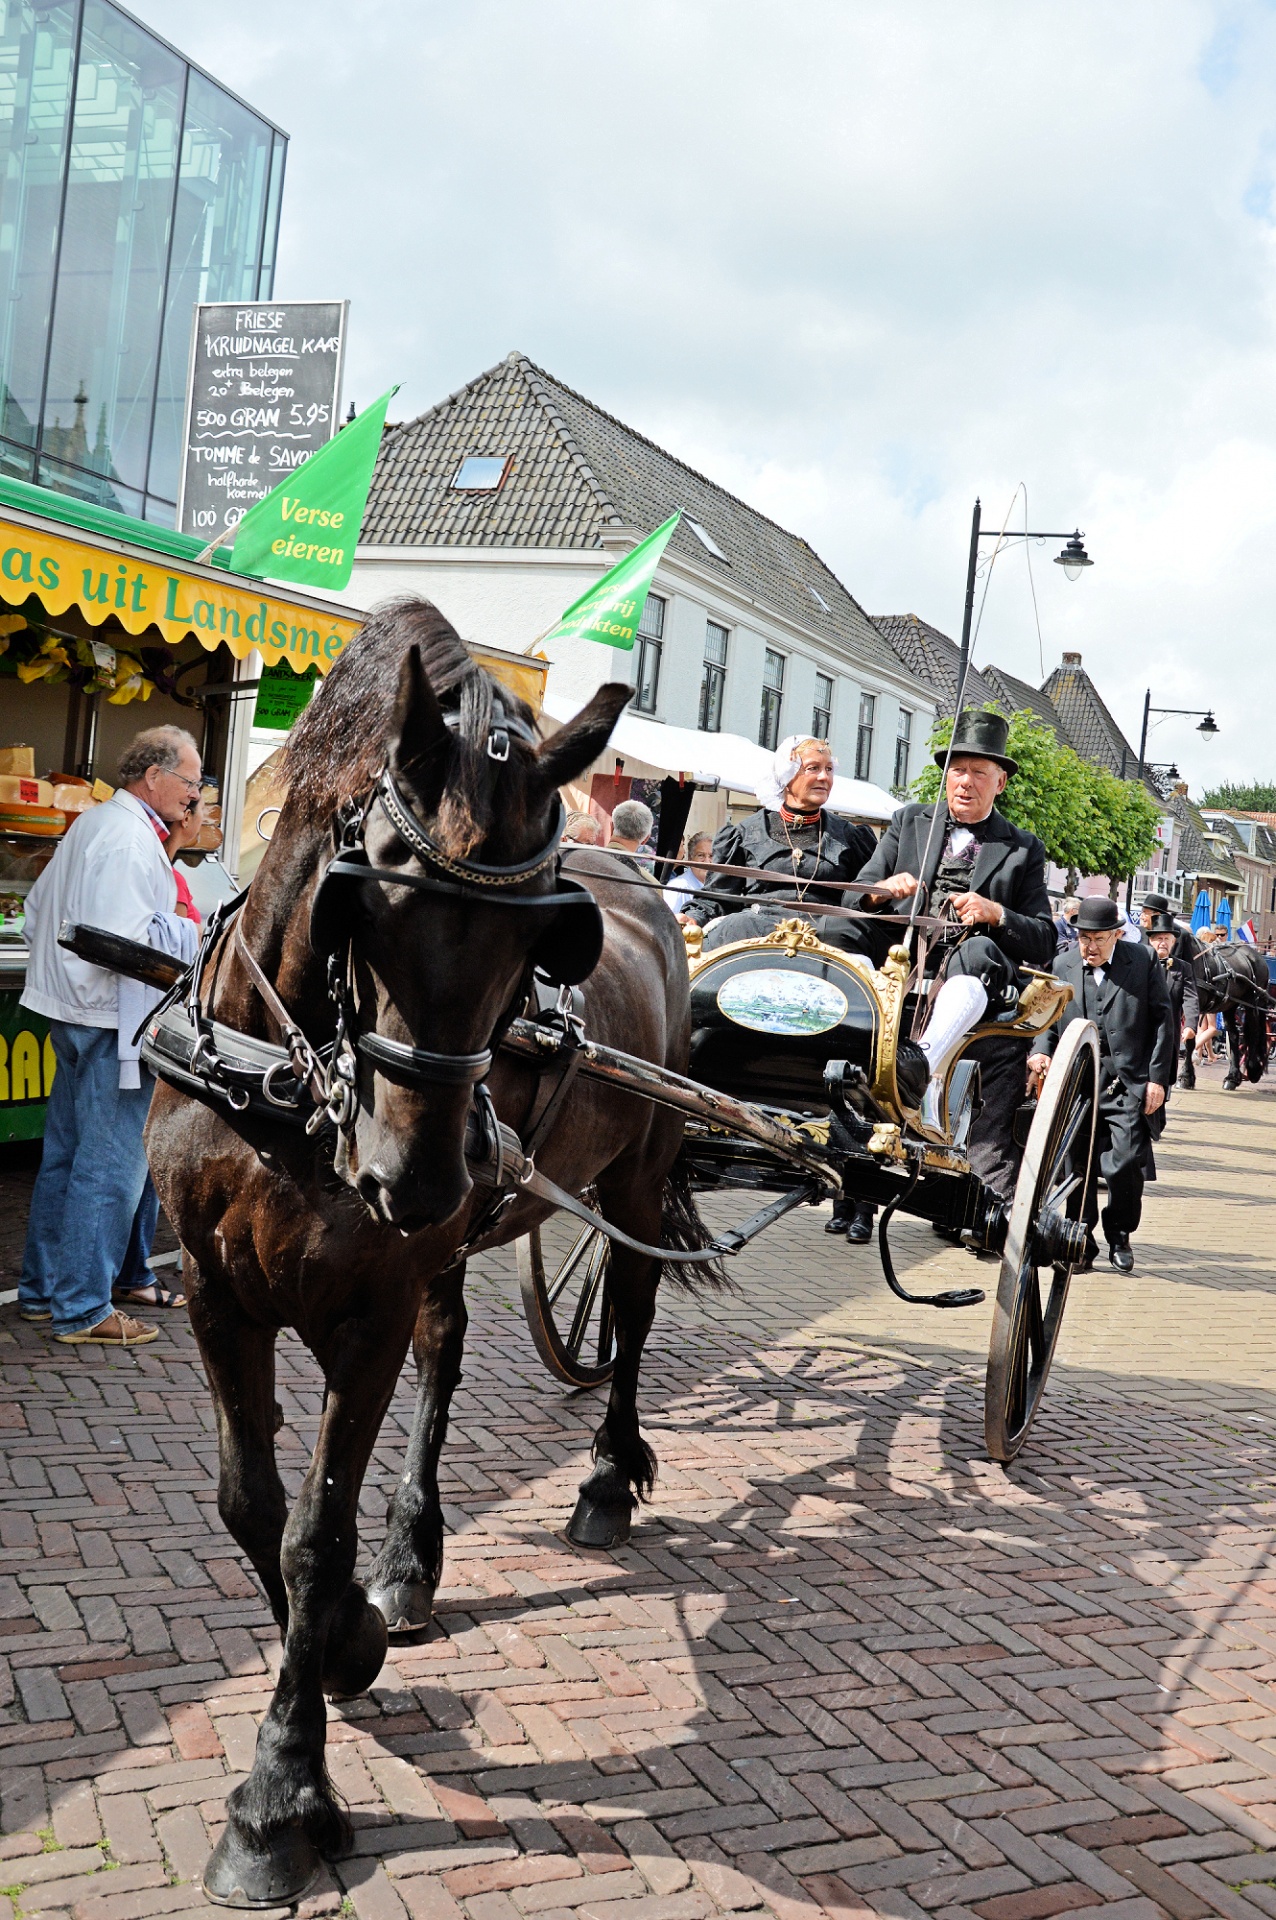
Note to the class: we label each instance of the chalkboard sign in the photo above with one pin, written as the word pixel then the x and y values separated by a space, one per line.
pixel 262 395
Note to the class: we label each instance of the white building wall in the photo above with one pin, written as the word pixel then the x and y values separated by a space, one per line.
pixel 506 598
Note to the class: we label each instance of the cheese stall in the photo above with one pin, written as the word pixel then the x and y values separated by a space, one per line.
pixel 108 625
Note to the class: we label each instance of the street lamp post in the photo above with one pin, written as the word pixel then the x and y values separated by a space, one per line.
pixel 1073 559
pixel 1207 730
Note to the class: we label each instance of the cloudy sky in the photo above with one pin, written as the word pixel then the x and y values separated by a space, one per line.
pixel 858 260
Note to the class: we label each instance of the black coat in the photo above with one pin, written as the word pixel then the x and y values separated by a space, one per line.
pixel 1010 868
pixel 1137 1031
pixel 759 842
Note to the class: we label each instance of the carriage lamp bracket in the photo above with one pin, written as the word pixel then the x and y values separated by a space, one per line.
pixel 952 1296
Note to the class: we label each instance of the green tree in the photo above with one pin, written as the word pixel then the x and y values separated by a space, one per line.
pixel 1259 796
pixel 1083 815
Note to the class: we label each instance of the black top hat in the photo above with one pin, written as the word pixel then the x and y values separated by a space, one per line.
pixel 983 733
pixel 1156 903
pixel 1098 914
pixel 1162 923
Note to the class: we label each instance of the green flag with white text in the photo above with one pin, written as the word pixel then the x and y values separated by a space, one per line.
pixel 610 610
pixel 306 528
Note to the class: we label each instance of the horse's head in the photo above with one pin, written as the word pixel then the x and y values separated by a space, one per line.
pixel 435 966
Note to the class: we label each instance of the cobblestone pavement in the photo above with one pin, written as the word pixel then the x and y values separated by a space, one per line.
pixel 846 1666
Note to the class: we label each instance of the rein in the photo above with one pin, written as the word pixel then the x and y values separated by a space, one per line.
pixel 330 1077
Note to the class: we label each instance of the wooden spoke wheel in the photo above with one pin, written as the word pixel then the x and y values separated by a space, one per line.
pixel 562 1269
pixel 1044 1241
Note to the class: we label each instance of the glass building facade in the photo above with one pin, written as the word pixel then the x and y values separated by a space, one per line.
pixel 132 186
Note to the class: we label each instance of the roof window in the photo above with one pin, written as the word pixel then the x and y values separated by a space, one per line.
pixel 482 472
pixel 818 598
pixel 707 541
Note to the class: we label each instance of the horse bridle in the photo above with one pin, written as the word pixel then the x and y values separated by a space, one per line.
pixel 332 1082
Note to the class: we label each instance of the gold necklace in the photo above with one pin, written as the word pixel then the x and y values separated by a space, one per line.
pixel 795 854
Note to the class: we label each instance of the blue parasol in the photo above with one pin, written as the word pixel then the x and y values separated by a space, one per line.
pixel 1225 913
pixel 1201 911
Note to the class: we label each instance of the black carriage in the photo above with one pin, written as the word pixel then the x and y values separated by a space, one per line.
pixel 792 1092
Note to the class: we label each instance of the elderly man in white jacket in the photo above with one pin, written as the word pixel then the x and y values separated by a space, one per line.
pixel 110 871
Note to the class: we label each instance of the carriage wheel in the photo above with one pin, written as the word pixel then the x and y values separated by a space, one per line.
pixel 562 1270
pixel 1044 1241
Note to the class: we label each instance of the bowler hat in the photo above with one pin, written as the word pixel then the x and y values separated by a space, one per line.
pixel 1156 903
pixel 1162 923
pixel 982 733
pixel 1098 914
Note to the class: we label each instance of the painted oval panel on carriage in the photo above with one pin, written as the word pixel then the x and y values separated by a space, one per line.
pixel 777 1000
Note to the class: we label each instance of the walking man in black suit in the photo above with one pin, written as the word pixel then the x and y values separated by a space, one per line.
pixel 990 877
pixel 1156 909
pixel 1120 985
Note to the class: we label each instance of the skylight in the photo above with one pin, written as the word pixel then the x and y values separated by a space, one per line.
pixel 481 472
pixel 707 541
pixel 818 598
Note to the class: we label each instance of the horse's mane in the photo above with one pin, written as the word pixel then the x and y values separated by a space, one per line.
pixel 339 745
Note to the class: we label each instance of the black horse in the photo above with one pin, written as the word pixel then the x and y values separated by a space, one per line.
pixel 412 884
pixel 1232 979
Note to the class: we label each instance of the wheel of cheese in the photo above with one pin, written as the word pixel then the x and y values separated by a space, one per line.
pixel 48 822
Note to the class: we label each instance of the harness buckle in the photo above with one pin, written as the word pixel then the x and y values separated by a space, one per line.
pixel 498 744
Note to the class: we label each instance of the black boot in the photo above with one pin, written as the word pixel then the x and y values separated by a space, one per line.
pixel 1091 1253
pixel 1119 1253
pixel 859 1229
pixel 843 1212
pixel 912 1072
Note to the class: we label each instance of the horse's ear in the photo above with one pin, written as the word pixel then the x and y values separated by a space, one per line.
pixel 567 753
pixel 418 733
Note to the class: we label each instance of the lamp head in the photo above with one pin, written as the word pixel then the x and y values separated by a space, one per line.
pixel 1207 728
pixel 1074 558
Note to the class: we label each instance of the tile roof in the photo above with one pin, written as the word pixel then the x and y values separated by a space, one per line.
pixel 576 471
pixel 1086 720
pixel 934 658
pixel 1017 696
pixel 1198 859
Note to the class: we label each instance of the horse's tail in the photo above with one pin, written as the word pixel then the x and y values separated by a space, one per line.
pixel 682 1229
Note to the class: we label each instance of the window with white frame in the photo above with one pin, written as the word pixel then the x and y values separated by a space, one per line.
pixel 651 633
pixel 713 679
pixel 822 712
pixel 903 746
pixel 772 700
pixel 864 736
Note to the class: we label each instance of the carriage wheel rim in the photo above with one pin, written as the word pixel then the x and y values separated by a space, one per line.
pixel 564 1341
pixel 1055 1172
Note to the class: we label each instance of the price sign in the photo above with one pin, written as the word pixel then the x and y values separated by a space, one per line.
pixel 263 393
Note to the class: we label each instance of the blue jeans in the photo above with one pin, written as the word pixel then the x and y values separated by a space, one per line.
pixel 90 1181
pixel 136 1270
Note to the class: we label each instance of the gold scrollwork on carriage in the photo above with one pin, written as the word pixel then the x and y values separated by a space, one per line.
pixel 1041 1002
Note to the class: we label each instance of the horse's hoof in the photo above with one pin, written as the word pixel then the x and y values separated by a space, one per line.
pixel 1230 1085
pixel 248 1873
pixel 594 1526
pixel 1187 1083
pixel 406 1608
pixel 356 1650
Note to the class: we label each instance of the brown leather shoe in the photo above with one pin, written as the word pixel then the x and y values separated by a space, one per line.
pixel 117 1330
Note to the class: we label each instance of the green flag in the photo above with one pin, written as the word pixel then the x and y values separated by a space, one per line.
pixel 610 610
pixel 306 527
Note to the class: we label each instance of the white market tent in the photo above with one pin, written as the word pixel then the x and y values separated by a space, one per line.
pixel 727 758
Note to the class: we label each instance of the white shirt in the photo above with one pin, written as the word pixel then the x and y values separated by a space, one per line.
pixel 109 871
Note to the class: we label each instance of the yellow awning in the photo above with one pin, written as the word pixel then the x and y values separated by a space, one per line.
pixel 112 579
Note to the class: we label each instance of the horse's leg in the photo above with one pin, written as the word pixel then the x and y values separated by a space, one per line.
pixel 285 1815
pixel 624 1465
pixel 1187 1072
pixel 239 1360
pixel 410 1563
pixel 1232 1078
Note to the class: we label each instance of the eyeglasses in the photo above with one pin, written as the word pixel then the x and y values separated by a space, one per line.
pixel 185 779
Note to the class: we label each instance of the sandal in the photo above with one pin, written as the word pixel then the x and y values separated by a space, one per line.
pixel 34 1315
pixel 117 1330
pixel 153 1294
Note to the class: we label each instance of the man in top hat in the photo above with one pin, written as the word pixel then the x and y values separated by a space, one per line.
pixel 968 863
pixel 1156 913
pixel 1120 985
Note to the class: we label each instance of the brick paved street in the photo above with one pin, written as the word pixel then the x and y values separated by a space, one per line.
pixel 846 1666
